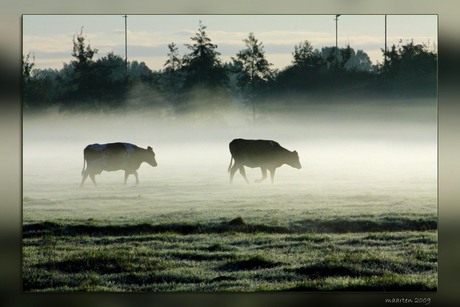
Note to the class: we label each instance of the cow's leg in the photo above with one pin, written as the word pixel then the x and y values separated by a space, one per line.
pixel 129 173
pixel 243 173
pixel 93 178
pixel 233 171
pixel 83 178
pixel 272 174
pixel 264 175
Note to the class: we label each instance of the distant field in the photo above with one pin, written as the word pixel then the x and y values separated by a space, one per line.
pixel 361 215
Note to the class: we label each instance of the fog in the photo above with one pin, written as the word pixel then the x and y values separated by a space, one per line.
pixel 346 151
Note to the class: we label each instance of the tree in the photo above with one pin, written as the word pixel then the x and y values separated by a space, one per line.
pixel 330 57
pixel 113 66
pixel 172 76
pixel 27 67
pixel 140 71
pixel 255 69
pixel 107 76
pixel 84 77
pixel 174 63
pixel 202 64
pixel 410 59
pixel 305 56
pixel 410 69
pixel 39 86
pixel 83 54
pixel 359 61
pixel 304 72
pixel 205 80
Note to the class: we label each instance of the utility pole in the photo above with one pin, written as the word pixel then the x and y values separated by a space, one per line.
pixel 336 36
pixel 252 95
pixel 126 46
pixel 386 48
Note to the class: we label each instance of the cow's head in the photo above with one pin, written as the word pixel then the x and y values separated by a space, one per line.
pixel 294 160
pixel 150 157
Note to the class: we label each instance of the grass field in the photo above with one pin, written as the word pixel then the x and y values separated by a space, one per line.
pixel 361 215
pixel 123 238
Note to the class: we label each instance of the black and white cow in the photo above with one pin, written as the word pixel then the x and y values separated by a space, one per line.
pixel 114 157
pixel 268 155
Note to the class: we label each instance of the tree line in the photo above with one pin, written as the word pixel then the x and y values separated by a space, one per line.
pixel 199 79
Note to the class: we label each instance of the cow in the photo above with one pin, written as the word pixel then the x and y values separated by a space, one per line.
pixel 113 157
pixel 268 155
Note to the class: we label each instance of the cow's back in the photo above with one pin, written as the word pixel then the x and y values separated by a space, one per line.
pixel 93 151
pixel 254 152
pixel 236 145
pixel 109 148
pixel 110 156
pixel 250 147
pixel 119 146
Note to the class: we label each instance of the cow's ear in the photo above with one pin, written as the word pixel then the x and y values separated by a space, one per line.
pixel 150 148
pixel 295 151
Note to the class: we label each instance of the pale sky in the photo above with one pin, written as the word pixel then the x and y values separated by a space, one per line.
pixel 49 37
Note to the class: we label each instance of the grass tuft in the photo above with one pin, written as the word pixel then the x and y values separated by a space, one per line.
pixel 327 270
pixel 238 221
pixel 253 263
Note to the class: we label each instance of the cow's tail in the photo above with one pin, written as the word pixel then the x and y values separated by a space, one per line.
pixel 230 166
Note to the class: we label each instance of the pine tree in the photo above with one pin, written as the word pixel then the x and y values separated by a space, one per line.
pixel 202 64
pixel 84 76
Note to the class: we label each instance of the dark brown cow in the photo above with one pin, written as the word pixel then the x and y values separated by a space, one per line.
pixel 113 157
pixel 268 155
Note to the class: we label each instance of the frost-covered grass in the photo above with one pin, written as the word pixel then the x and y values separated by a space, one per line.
pixel 128 241
pixel 225 257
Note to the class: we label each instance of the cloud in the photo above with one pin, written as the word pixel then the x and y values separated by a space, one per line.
pixel 184 33
pixel 56 43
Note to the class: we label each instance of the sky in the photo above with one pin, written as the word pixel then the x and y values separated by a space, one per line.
pixel 49 37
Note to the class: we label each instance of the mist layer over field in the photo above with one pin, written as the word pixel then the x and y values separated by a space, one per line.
pixel 362 155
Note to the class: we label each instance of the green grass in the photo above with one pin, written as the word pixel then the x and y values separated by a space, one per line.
pixel 357 254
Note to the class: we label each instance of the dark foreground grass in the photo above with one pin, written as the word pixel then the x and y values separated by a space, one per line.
pixel 376 255
pixel 237 224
